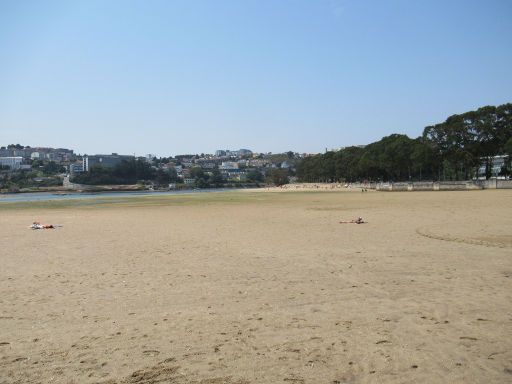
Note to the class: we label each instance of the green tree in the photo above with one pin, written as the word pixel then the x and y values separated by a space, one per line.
pixel 197 173
pixel 279 176
pixel 254 176
pixel 173 175
pixel 216 178
pixel 347 166
pixel 51 168
pixel 508 147
pixel 162 177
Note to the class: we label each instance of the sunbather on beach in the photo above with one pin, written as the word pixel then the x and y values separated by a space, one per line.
pixel 38 225
pixel 359 220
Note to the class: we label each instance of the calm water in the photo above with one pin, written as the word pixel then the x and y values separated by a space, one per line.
pixel 48 196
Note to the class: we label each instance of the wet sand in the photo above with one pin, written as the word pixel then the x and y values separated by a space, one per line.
pixel 259 288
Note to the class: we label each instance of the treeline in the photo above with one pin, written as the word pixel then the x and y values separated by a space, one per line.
pixel 452 150
pixel 42 174
pixel 126 172
pixel 137 171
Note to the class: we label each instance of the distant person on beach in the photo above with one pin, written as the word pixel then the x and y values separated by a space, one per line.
pixel 38 225
pixel 359 220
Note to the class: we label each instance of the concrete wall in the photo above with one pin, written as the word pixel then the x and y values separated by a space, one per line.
pixel 445 185
pixel 486 184
pixel 422 186
pixel 400 186
pixel 494 184
pixel 371 185
pixel 453 186
pixel 504 184
pixel 383 187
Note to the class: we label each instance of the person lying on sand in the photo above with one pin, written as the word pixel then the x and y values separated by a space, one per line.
pixel 359 220
pixel 38 225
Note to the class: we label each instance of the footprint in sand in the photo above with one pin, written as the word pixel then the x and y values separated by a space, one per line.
pixel 151 352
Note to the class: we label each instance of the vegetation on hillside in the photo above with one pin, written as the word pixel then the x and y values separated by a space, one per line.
pixel 452 150
pixel 126 172
pixel 41 175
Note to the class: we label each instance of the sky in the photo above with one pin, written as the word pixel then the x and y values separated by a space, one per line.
pixel 174 77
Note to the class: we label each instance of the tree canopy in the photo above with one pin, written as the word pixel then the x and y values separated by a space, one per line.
pixel 453 149
pixel 126 172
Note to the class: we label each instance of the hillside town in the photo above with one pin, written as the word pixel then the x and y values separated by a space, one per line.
pixel 473 146
pixel 39 167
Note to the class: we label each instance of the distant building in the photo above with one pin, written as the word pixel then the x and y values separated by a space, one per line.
pixel 13 162
pixel 229 153
pixel 234 174
pixel 4 152
pixel 497 163
pixel 39 153
pixel 76 168
pixel 227 165
pixel 25 152
pixel 258 163
pixel 62 154
pixel 244 152
pixel 208 163
pixel 107 161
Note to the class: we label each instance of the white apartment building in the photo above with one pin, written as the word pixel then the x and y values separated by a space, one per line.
pixel 228 165
pixel 13 163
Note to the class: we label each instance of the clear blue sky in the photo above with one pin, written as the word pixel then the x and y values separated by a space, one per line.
pixel 170 77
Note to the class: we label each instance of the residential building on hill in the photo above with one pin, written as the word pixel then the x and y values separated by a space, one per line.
pixel 229 153
pixel 39 153
pixel 13 162
pixel 76 168
pixel 228 165
pixel 107 161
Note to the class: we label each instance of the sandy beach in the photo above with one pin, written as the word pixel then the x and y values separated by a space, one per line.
pixel 246 287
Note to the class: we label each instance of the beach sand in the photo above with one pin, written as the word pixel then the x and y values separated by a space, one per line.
pixel 259 288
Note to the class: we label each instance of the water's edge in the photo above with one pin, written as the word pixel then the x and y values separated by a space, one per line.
pixel 50 196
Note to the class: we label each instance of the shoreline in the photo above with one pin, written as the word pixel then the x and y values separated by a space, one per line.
pixel 402 186
pixel 91 195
